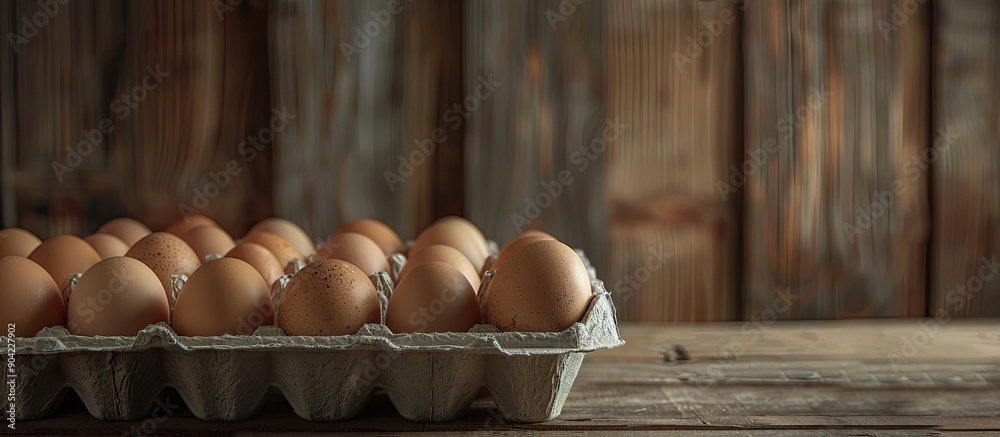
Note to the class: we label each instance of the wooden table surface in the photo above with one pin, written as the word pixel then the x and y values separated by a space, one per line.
pixel 885 377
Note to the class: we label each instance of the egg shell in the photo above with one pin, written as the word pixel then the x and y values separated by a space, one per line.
pixel 187 223
pixel 31 299
pixel 434 297
pixel 208 240
pixel 260 258
pixel 117 296
pixel 459 233
pixel 328 297
pixel 17 241
pixel 128 230
pixel 517 243
pixel 281 249
pixel 224 296
pixel 107 245
pixel 544 287
pixel 64 255
pixel 446 254
pixel 383 235
pixel 166 254
pixel 356 249
pixel 290 231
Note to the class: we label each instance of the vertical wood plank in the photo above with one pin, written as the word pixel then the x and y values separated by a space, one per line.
pixel 966 238
pixel 536 67
pixel 177 143
pixel 366 80
pixel 836 108
pixel 674 78
pixel 59 69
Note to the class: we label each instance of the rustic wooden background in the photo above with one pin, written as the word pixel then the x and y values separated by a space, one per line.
pixel 768 159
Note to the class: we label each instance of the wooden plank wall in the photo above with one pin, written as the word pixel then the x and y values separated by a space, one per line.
pixel 674 80
pixel 177 85
pixel 52 91
pixel 965 158
pixel 845 212
pixel 529 163
pixel 369 82
pixel 835 224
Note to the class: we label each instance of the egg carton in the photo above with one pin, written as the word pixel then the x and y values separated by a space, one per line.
pixel 428 377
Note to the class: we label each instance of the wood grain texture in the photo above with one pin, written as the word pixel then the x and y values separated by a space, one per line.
pixel 793 378
pixel 674 78
pixel 966 235
pixel 361 86
pixel 525 140
pixel 836 109
pixel 175 87
pixel 60 68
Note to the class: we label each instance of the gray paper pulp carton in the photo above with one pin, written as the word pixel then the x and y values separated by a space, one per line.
pixel 428 377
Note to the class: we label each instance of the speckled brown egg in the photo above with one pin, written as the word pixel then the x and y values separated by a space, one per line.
pixel 441 253
pixel 224 296
pixel 260 258
pixel 281 249
pixel 328 297
pixel 208 240
pixel 381 234
pixel 356 249
pixel 128 230
pixel 544 287
pixel 434 297
pixel 188 223
pixel 517 243
pixel 17 241
pixel 64 255
pixel 117 296
pixel 107 245
pixel 459 233
pixel 291 232
pixel 166 254
pixel 31 299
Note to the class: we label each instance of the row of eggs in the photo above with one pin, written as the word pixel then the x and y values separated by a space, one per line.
pixel 129 280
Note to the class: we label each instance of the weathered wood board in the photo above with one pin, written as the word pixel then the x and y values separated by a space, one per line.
pixel 535 104
pixel 371 82
pixel 836 214
pixel 133 108
pixel 674 76
pixel 965 157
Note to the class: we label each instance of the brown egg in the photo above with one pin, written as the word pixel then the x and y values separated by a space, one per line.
pixel 459 233
pixel 434 297
pixel 281 249
pixel 291 232
pixel 64 255
pixel 356 249
pixel 184 224
pixel 31 299
pixel 261 259
pixel 208 240
pixel 441 253
pixel 383 235
pixel 107 245
pixel 517 243
pixel 117 296
pixel 128 230
pixel 224 296
pixel 17 241
pixel 166 254
pixel 328 297
pixel 544 287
